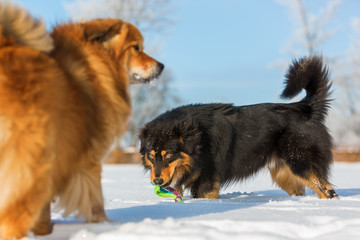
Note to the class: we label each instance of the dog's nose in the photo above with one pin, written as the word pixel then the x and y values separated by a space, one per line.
pixel 158 181
pixel 160 66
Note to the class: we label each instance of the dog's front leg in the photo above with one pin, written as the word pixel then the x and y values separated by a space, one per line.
pixel 206 188
pixel 43 225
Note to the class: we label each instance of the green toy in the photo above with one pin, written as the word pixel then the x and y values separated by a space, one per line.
pixel 167 192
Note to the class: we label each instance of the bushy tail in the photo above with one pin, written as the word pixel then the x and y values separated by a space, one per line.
pixel 17 26
pixel 310 74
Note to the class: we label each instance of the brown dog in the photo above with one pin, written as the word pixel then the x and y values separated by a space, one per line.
pixel 63 100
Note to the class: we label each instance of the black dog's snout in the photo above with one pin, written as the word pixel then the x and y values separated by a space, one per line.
pixel 158 181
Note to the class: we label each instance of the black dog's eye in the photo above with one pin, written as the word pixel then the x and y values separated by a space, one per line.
pixel 151 157
pixel 168 156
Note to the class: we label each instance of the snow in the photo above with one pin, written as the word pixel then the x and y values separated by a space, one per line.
pixel 252 210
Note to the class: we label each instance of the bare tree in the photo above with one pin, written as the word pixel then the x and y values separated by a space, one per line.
pixel 346 119
pixel 148 15
pixel 312 31
pixel 153 18
pixel 150 101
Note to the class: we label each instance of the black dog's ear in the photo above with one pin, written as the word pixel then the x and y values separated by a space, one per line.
pixel 142 136
pixel 189 134
pixel 99 33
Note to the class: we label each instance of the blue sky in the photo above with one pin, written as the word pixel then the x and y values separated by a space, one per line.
pixel 224 51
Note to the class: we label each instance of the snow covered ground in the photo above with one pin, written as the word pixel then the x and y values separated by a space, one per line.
pixel 255 209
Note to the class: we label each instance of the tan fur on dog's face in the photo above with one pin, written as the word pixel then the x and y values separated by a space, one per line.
pixel 125 42
pixel 166 168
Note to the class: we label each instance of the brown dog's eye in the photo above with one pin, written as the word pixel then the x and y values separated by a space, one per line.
pixel 136 47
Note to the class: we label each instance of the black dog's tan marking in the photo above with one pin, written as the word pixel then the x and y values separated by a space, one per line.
pixel 165 167
pixel 283 176
pixel 203 147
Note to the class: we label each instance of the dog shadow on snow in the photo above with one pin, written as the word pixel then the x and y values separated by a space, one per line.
pixel 198 207
pixel 189 208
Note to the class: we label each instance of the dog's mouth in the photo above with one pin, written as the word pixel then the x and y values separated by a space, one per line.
pixel 140 76
pixel 136 78
pixel 167 184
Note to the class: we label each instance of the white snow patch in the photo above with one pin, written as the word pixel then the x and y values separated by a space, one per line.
pixel 252 210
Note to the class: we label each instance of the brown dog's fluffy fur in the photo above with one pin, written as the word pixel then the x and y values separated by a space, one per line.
pixel 63 100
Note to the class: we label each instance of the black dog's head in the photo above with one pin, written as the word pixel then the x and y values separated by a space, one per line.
pixel 168 147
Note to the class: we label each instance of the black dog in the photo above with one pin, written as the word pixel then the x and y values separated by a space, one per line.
pixel 206 146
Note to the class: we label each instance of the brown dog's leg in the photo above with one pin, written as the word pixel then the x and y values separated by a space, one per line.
pixel 83 194
pixel 92 208
pixel 43 225
pixel 19 217
pixel 98 213
pixel 27 188
pixel 96 198
pixel 15 225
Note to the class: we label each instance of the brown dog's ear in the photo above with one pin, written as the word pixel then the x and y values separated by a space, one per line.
pixel 99 33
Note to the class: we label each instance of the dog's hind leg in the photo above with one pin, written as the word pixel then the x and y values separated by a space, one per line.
pixel 285 179
pixel 96 196
pixel 83 194
pixel 25 171
pixel 295 185
pixel 20 215
pixel 302 173
pixel 309 161
pixel 319 184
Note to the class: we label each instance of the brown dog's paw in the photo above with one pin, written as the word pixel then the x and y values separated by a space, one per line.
pixel 43 228
pixel 98 215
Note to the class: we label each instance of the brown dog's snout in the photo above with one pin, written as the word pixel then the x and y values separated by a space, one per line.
pixel 144 74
